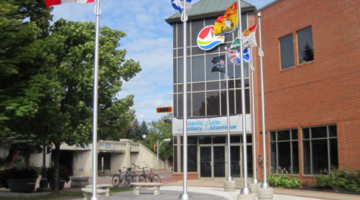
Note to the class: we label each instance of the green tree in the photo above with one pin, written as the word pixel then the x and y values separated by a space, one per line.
pixel 137 131
pixel 66 82
pixel 23 25
pixel 160 130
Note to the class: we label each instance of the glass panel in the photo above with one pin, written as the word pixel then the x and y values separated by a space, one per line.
pixel 174 53
pixel 219 161
pixel 180 70
pixel 174 36
pixel 272 136
pixel 238 83
pixel 213 103
pixel 218 140
pixel 231 103
pixel 204 140
pixel 192 140
pixel 249 160
pixel 209 65
pixel 294 134
pixel 192 158
pixel 248 138
pixel 235 160
pixel 175 71
pixel 306 133
pixel 295 157
pixel 273 157
pixel 332 131
pixel 319 156
pixel 287 51
pixel 238 102
pixel 198 86
pixel 230 82
pixel 205 161
pixel 175 160
pixel 175 140
pixel 230 70
pixel 198 104
pixel 180 88
pixel 195 30
pixel 305 45
pixel 180 35
pixel 197 51
pixel 180 106
pixel 212 85
pixel 306 154
pixel 198 71
pixel 319 132
pixel 234 139
pixel 283 135
pixel 334 159
pixel 175 105
pixel 209 22
pixel 175 89
pixel 285 158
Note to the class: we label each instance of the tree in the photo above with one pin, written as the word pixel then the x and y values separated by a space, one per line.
pixel 66 82
pixel 23 25
pixel 160 130
pixel 137 131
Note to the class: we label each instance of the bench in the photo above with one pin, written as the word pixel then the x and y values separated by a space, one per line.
pixel 102 186
pixel 88 193
pixel 138 185
pixel 79 181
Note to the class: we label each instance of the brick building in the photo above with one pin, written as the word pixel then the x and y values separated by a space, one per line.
pixel 312 94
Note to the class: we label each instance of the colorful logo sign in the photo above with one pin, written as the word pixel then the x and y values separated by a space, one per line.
pixel 207 40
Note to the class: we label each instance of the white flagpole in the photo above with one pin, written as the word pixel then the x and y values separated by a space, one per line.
pixel 95 106
pixel 229 178
pixel 244 190
pixel 261 54
pixel 254 181
pixel 185 195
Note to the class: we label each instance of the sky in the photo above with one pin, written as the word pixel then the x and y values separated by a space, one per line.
pixel 148 41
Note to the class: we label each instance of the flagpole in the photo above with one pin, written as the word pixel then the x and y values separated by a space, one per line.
pixel 95 106
pixel 229 178
pixel 185 195
pixel 261 54
pixel 245 190
pixel 254 181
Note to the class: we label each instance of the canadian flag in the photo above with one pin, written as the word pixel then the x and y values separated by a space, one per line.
pixel 57 2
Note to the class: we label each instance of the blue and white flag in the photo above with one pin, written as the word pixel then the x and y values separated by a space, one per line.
pixel 179 5
pixel 234 56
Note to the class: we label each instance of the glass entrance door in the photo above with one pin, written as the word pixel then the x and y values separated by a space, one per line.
pixel 235 161
pixel 212 161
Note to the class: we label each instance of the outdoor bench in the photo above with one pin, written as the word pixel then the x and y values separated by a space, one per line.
pixel 102 186
pixel 101 193
pixel 138 185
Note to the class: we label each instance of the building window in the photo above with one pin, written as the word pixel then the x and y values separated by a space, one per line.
pixel 320 149
pixel 192 154
pixel 284 151
pixel 287 51
pixel 305 45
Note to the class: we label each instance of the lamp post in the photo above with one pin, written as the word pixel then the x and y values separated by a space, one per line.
pixel 158 147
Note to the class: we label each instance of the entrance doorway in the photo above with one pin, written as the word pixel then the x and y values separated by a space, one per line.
pixel 212 161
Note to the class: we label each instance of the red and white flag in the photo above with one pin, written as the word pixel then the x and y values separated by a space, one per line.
pixel 57 2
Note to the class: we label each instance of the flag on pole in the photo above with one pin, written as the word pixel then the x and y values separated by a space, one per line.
pixel 219 64
pixel 234 56
pixel 249 39
pixel 179 5
pixel 228 23
pixel 58 2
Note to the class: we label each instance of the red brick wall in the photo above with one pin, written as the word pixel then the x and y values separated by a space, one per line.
pixel 321 92
pixel 191 176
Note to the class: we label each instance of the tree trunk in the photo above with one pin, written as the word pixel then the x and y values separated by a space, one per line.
pixel 56 168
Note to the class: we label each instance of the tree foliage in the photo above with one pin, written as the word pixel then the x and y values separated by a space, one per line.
pixel 137 131
pixel 158 131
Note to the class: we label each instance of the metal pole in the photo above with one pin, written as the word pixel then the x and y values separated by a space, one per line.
pixel 44 181
pixel 157 154
pixel 185 195
pixel 229 178
pixel 244 190
pixel 95 107
pixel 253 116
pixel 261 54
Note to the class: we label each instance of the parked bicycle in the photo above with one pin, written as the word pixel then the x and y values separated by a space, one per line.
pixel 122 178
pixel 142 176
pixel 153 177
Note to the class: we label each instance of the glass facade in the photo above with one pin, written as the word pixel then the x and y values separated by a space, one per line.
pixel 206 89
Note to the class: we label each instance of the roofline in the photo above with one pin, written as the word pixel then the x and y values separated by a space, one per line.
pixel 206 15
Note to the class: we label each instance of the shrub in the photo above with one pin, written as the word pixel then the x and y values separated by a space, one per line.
pixel 15 173
pixel 351 180
pixel 284 181
pixel 331 180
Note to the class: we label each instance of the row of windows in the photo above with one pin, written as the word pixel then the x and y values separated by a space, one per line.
pixel 211 103
pixel 304 47
pixel 320 150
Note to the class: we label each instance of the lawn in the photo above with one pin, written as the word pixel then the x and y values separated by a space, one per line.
pixel 62 196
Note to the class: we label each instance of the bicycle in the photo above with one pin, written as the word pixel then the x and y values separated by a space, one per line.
pixel 119 178
pixel 142 176
pixel 153 177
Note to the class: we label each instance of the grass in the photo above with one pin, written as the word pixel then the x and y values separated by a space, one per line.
pixel 61 196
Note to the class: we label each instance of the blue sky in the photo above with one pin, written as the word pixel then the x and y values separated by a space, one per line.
pixel 148 41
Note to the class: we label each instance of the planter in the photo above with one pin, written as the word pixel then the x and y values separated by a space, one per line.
pixel 61 183
pixel 22 185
